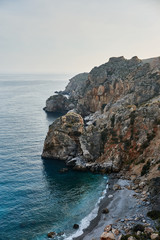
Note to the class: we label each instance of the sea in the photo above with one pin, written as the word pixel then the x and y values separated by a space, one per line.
pixel 35 198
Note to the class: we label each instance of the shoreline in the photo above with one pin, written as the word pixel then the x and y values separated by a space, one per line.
pixel 104 202
pixel 125 207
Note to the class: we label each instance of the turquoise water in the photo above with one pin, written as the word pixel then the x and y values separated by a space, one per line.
pixel 34 197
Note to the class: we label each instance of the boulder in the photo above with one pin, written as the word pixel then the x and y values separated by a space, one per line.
pixel 58 104
pixel 155 236
pixel 116 187
pixel 107 236
pixel 51 234
pixel 108 228
pixel 116 232
pixel 105 211
pixel 138 227
pixel 131 238
pixel 75 226
pixel 148 230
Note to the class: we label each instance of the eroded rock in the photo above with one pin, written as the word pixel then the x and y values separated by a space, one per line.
pixel 51 234
pixel 62 139
pixel 107 236
pixel 58 104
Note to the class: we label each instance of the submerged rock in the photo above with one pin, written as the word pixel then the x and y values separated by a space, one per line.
pixel 75 226
pixel 63 170
pixel 51 234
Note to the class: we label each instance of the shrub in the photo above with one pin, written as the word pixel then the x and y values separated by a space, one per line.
pixel 155 214
pixel 145 168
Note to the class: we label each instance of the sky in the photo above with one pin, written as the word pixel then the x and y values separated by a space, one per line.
pixel 73 36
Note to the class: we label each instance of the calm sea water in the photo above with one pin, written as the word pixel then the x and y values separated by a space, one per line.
pixel 34 197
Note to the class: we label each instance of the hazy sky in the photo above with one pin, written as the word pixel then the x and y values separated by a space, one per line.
pixel 72 36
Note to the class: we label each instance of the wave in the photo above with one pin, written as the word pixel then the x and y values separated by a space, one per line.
pixel 85 222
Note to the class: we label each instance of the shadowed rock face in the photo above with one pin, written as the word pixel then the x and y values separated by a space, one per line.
pixel 154 187
pixel 120 103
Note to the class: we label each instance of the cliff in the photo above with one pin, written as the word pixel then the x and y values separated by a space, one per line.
pixel 120 104
pixel 114 126
pixel 75 89
pixel 76 85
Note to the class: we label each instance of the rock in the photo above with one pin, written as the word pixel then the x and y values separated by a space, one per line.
pixel 154 214
pixel 141 185
pixel 154 189
pixel 120 237
pixel 105 211
pixel 51 234
pixel 75 226
pixel 116 232
pixel 58 104
pixel 110 196
pixel 76 85
pixel 139 233
pixel 138 227
pixel 60 233
pixel 81 168
pixel 108 228
pixel 116 187
pixel 120 101
pixel 133 177
pixel 63 137
pixel 155 236
pixel 107 236
pixel 148 230
pixel 131 238
pixel 63 170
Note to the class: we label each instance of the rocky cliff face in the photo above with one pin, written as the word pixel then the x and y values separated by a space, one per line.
pixel 119 79
pixel 58 103
pixel 62 141
pixel 74 89
pixel 76 85
pixel 120 104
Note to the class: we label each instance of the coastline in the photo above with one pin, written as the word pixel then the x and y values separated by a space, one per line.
pixel 103 204
pixel 125 209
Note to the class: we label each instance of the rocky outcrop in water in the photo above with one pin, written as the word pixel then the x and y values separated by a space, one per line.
pixel 62 141
pixel 120 104
pixel 59 103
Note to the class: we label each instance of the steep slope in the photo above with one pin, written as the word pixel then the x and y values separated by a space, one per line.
pixel 74 89
pixel 120 103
